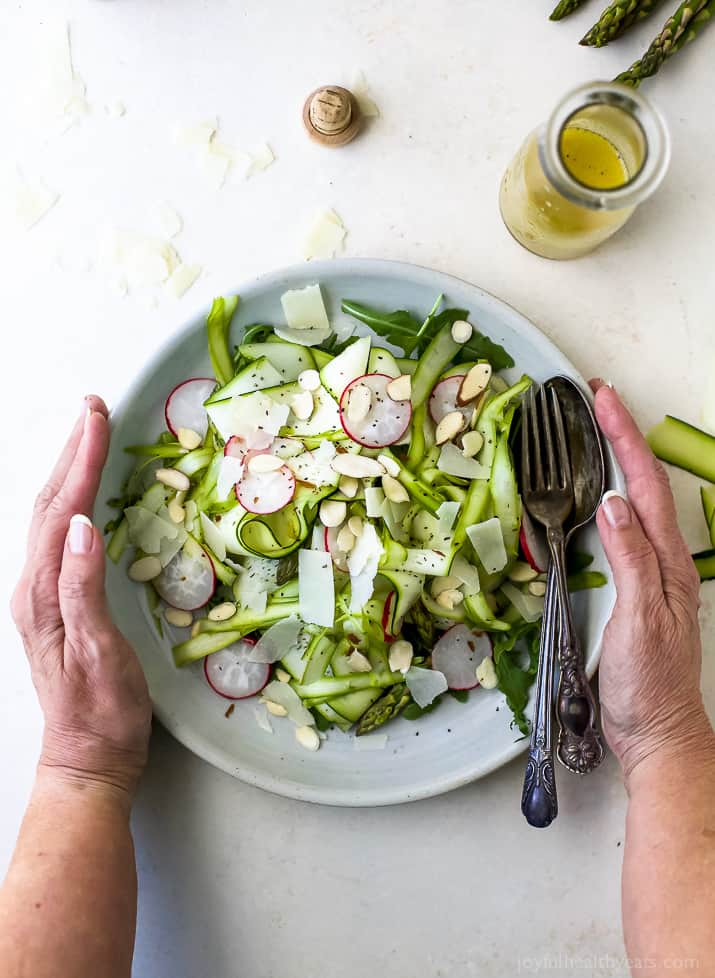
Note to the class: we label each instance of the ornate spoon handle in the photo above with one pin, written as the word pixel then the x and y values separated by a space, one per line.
pixel 580 745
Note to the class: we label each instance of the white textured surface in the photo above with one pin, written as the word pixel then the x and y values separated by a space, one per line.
pixel 234 881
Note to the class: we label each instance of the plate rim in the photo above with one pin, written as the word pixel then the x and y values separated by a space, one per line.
pixel 316 270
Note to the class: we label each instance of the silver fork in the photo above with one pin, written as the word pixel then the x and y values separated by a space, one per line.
pixel 547 491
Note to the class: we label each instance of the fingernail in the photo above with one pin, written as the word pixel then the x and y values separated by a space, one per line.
pixel 81 535
pixel 616 509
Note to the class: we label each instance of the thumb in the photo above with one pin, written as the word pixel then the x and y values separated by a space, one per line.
pixel 633 561
pixel 81 584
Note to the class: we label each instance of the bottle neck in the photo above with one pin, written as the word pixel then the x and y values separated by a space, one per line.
pixel 605 147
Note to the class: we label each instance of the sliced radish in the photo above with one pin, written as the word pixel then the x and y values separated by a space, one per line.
pixel 266 492
pixel 340 558
pixel 386 614
pixel 386 421
pixel 443 399
pixel 232 674
pixel 185 405
pixel 457 655
pixel 533 544
pixel 188 581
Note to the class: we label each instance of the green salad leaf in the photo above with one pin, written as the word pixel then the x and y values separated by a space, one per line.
pixel 513 677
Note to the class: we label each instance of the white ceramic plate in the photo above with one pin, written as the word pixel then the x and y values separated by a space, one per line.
pixel 450 747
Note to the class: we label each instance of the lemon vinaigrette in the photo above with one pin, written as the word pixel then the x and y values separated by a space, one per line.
pixel 577 180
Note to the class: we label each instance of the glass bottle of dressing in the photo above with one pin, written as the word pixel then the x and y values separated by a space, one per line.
pixel 577 180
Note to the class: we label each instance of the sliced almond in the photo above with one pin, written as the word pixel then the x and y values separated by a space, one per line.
pixel 195 629
pixel 258 464
pixel 394 490
pixel 189 439
pixel 281 675
pixel 179 618
pixel 275 709
pixel 348 486
pixel 472 442
pixel 454 595
pixel 173 479
pixel 391 466
pixel 177 513
pixel 302 405
pixel 333 512
pixel 444 600
pixel 486 673
pixel 461 331
pixel 145 569
pixel 449 427
pixel 307 737
pixel 400 657
pixel 357 662
pixel 474 383
pixel 400 389
pixel 345 539
pixel 222 612
pixel 355 525
pixel 521 572
pixel 537 588
pixel 357 466
pixel 309 380
pixel 359 403
pixel 439 584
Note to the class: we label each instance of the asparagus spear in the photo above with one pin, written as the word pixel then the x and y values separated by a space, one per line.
pixel 616 19
pixel 690 17
pixel 564 8
pixel 388 706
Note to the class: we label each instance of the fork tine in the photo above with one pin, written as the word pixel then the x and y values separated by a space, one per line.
pixel 525 452
pixel 562 443
pixel 536 438
pixel 552 478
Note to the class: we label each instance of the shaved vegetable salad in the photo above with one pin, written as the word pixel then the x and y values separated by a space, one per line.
pixel 332 521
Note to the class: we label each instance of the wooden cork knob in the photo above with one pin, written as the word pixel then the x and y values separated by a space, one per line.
pixel 332 115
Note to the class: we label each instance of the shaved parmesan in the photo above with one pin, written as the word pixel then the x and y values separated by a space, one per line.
pixel 488 542
pixel 303 337
pixel 425 685
pixel 216 162
pixel 59 92
pixel 181 280
pixel 286 696
pixel 261 715
pixel 168 220
pixel 374 498
pixel 466 573
pixel 213 537
pixel 229 473
pixel 31 202
pixel 361 92
pixel 325 236
pixel 316 590
pixel 529 606
pixel 261 158
pixel 154 533
pixel 453 462
pixel 248 414
pixel 305 309
pixel 447 514
pixel 371 742
pixel 363 563
pixel 277 641
pixel 256 601
pixel 200 134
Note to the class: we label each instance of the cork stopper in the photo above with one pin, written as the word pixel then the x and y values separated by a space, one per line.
pixel 332 116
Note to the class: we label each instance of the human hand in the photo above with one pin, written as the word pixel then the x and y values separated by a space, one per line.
pixel 88 679
pixel 649 677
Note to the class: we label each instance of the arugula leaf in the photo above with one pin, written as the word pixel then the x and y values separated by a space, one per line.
pixel 513 680
pixel 402 329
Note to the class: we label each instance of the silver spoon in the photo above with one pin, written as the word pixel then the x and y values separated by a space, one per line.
pixel 580 744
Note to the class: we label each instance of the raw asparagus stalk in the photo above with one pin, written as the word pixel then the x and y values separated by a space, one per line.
pixel 687 21
pixel 616 19
pixel 564 8
pixel 388 706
